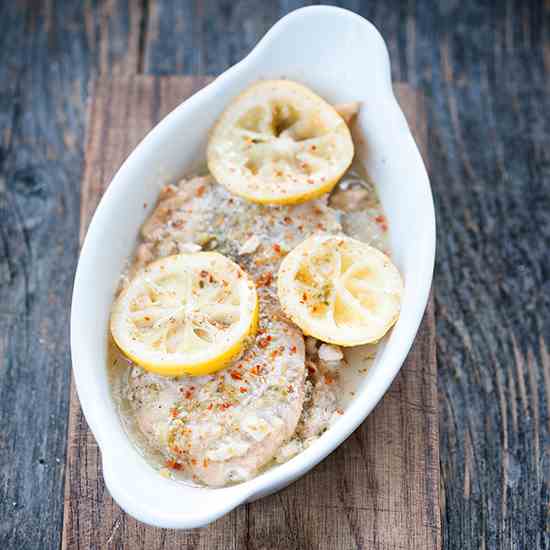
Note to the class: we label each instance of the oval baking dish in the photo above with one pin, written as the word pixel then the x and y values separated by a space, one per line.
pixel 343 58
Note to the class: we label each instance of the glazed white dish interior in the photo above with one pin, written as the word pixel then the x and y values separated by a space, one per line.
pixel 343 58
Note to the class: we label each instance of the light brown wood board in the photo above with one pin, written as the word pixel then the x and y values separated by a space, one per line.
pixel 378 490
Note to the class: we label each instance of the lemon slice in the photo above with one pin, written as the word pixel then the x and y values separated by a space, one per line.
pixel 279 143
pixel 340 290
pixel 189 313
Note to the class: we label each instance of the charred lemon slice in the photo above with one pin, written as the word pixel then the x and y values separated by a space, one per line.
pixel 340 290
pixel 189 313
pixel 279 143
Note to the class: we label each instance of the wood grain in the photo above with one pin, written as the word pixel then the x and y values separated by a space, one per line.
pixel 47 53
pixel 379 490
pixel 483 67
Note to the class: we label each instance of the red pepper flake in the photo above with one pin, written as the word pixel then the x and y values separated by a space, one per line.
pixel 236 375
pixel 265 341
pixel 304 296
pixel 200 191
pixel 177 224
pixel 328 380
pixel 277 248
pixel 224 406
pixel 290 388
pixel 256 370
pixel 379 219
pixel 174 412
pixel 170 463
pixel 311 370
pixel 293 349
pixel 265 279
pixel 243 390
pixel 188 394
pixel 384 227
pixel 287 220
pixel 194 461
pixel 339 411
pixel 210 406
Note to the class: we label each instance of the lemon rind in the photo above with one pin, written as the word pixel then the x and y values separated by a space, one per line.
pixel 197 368
pixel 345 337
pixel 234 186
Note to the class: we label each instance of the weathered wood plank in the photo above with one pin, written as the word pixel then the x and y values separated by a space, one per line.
pixel 379 490
pixel 187 24
pixel 207 37
pixel 47 54
pixel 490 163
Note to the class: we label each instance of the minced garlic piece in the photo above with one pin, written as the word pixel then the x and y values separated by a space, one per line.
pixel 250 246
pixel 189 248
pixel 329 352
pixel 348 110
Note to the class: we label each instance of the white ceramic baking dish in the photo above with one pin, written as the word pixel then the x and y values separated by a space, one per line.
pixel 343 58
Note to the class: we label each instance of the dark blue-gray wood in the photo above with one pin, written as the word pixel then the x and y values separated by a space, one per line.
pixel 48 53
pixel 484 67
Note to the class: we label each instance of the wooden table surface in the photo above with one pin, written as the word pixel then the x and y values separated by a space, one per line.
pixel 483 67
pixel 379 490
